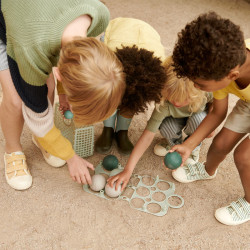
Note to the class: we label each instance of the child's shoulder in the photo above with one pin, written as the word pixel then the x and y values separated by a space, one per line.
pixel 247 42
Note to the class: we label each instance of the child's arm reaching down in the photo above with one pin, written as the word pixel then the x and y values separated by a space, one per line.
pixel 140 147
pixel 207 126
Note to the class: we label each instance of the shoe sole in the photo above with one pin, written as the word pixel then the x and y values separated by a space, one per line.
pixel 230 224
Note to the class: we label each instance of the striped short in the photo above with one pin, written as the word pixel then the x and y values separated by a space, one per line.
pixel 171 128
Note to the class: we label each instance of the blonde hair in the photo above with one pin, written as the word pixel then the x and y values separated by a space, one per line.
pixel 181 89
pixel 92 78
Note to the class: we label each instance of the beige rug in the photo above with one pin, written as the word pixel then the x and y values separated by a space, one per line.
pixel 55 213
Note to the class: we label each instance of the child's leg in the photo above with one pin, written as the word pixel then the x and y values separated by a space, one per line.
pixel 124 119
pixel 11 107
pixel 16 171
pixel 171 129
pixel 238 212
pixel 222 144
pixel 110 122
pixel 192 124
pixel 241 159
pixel 104 142
pixel 11 114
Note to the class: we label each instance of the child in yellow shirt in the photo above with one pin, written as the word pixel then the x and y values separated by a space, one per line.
pixel 212 52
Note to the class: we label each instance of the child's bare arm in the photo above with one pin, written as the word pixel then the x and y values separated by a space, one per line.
pixel 140 147
pixel 207 126
pixel 209 110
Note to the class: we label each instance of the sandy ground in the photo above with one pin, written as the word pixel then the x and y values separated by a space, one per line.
pixel 55 213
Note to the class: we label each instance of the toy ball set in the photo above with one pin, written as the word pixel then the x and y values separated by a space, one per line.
pixel 82 140
pixel 110 167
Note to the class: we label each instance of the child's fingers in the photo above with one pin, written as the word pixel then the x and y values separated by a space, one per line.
pixel 78 179
pixel 124 184
pixel 91 166
pixel 174 148
pixel 83 179
pixel 88 178
pixel 111 181
pixel 118 183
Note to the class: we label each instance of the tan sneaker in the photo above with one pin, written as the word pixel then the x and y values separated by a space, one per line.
pixel 50 159
pixel 161 148
pixel 17 173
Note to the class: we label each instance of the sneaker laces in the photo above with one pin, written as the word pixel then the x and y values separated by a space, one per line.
pixel 239 210
pixel 196 171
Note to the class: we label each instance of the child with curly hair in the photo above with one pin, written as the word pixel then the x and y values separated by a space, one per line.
pixel 182 107
pixel 138 47
pixel 36 36
pixel 211 51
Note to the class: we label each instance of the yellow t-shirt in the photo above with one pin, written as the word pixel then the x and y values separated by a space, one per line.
pixel 129 31
pixel 233 88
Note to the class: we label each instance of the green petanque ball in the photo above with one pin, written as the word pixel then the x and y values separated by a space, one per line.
pixel 172 160
pixel 110 162
pixel 68 114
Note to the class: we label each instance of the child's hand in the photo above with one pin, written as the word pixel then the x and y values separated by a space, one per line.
pixel 63 101
pixel 183 150
pixel 122 178
pixel 78 169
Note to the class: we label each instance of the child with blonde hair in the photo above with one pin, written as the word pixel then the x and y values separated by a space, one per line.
pixel 182 106
pixel 32 34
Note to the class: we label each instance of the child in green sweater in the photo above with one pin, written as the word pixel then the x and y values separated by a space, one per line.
pixel 37 37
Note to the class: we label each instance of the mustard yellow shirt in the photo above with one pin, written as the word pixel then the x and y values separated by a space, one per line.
pixel 233 88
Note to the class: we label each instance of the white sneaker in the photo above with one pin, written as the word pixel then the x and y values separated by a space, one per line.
pixel 236 213
pixel 50 159
pixel 192 172
pixel 17 173
pixel 161 148
pixel 195 155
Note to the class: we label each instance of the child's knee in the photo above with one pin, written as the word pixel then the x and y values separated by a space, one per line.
pixel 219 146
pixel 12 104
pixel 241 158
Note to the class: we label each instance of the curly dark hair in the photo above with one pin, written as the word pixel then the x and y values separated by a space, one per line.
pixel 145 78
pixel 208 48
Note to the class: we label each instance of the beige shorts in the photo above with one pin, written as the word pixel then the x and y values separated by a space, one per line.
pixel 239 119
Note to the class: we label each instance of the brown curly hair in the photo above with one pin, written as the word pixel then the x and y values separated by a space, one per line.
pixel 145 78
pixel 209 48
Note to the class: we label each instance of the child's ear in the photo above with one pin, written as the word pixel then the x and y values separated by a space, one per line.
pixel 234 74
pixel 57 74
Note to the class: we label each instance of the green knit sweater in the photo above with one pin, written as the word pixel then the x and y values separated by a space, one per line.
pixel 32 30
pixel 33 33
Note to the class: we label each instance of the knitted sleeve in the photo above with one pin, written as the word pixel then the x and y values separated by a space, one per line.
pixel 50 138
pixel 157 117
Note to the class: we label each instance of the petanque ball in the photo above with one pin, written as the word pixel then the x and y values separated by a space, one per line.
pixel 68 114
pixel 110 162
pixel 172 160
